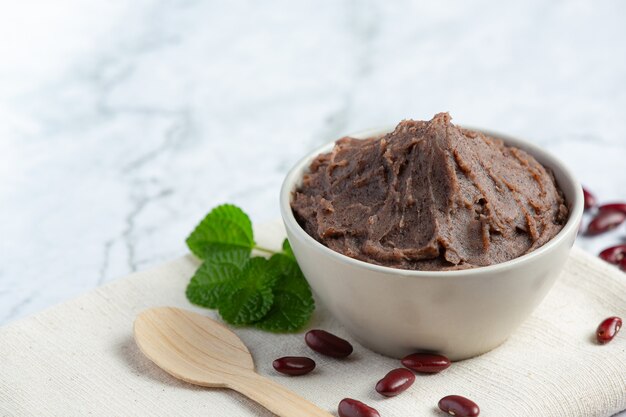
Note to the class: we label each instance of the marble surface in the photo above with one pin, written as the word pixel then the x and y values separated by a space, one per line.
pixel 123 123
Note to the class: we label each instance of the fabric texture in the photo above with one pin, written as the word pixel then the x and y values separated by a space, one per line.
pixel 79 358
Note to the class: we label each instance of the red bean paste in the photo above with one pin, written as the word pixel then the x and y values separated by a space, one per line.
pixel 429 196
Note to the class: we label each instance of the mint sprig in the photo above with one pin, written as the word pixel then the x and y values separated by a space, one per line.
pixel 270 294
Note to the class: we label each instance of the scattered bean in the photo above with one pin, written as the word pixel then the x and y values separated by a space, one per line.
pixel 614 255
pixel 458 406
pixel 605 221
pixel 608 329
pixel 328 344
pixel 353 408
pixel 590 200
pixel 426 363
pixel 294 365
pixel 395 382
pixel 621 207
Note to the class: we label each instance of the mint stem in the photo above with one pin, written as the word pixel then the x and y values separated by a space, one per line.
pixel 262 249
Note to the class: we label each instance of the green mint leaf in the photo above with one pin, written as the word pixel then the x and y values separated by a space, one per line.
pixel 206 286
pixel 248 297
pixel 287 249
pixel 293 301
pixel 225 227
pixel 290 277
pixel 289 313
pixel 270 294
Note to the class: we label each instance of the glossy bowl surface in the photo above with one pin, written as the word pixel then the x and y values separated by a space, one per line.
pixel 459 314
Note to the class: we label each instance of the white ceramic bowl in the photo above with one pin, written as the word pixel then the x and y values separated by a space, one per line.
pixel 460 314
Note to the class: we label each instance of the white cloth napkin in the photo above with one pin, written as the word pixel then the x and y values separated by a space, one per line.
pixel 79 358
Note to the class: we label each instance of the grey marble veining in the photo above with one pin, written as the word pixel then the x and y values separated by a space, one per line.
pixel 123 123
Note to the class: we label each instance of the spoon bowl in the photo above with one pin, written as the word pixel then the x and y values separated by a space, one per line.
pixel 201 351
pixel 190 350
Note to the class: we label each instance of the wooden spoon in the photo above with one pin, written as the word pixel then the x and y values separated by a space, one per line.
pixel 203 352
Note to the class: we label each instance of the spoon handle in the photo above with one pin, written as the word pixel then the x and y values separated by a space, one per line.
pixel 276 398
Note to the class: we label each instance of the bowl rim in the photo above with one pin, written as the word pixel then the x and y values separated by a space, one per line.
pixel 571 226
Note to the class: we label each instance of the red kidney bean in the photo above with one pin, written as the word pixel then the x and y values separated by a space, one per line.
pixel 353 408
pixel 458 406
pixel 395 382
pixel 294 365
pixel 328 344
pixel 621 207
pixel 614 255
pixel 622 264
pixel 605 221
pixel 608 329
pixel 426 363
pixel 590 200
